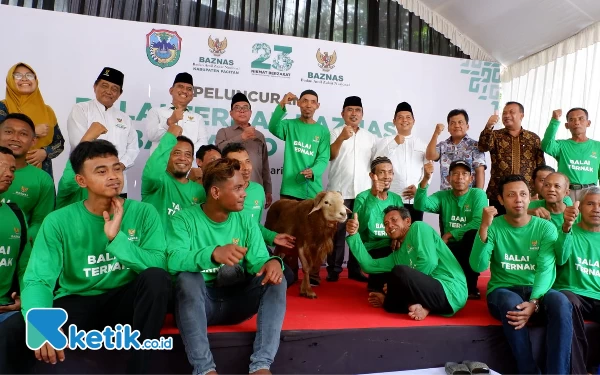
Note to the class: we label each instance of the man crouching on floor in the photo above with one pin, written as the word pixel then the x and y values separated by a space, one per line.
pixel 225 272
pixel 423 276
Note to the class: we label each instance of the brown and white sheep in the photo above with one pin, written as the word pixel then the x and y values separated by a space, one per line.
pixel 313 222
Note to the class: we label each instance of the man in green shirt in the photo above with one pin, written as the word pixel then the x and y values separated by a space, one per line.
pixel 33 189
pixel 423 276
pixel 203 241
pixel 102 260
pixel 579 157
pixel 460 211
pixel 519 249
pixel 579 275
pixel 255 202
pixel 14 255
pixel 555 190
pixel 307 147
pixel 369 205
pixel 538 176
pixel 165 184
pixel 204 155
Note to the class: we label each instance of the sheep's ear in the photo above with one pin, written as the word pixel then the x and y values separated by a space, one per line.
pixel 318 202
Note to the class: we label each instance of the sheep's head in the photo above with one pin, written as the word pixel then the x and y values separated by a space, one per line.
pixel 331 205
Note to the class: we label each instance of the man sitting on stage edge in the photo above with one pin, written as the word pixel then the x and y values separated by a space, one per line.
pixel 255 202
pixel 164 180
pixel 216 235
pixel 460 209
pixel 521 250
pixel 555 189
pixel 424 277
pixel 105 255
pixel 369 206
pixel 576 279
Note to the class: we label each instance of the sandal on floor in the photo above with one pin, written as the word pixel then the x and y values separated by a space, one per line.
pixel 477 367
pixel 453 368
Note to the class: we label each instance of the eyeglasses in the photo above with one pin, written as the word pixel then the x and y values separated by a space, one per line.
pixel 19 76
pixel 241 109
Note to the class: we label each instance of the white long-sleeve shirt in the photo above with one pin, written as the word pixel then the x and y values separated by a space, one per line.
pixel 120 131
pixel 349 171
pixel 192 125
pixel 408 160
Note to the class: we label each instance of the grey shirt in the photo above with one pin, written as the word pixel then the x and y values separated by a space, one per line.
pixel 257 150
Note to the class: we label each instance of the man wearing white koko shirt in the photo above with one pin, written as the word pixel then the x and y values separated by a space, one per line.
pixel 407 153
pixel 352 150
pixel 159 119
pixel 119 130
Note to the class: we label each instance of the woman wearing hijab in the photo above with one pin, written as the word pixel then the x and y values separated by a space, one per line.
pixel 23 96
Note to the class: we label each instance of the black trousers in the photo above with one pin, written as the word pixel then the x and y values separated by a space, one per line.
pixel 142 304
pixel 462 251
pixel 415 214
pixel 335 260
pixel 407 286
pixel 377 280
pixel 15 357
pixel 584 308
pixel 499 207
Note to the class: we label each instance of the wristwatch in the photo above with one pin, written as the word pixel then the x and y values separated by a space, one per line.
pixel 536 303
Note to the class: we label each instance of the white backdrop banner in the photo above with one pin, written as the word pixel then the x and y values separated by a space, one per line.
pixel 69 51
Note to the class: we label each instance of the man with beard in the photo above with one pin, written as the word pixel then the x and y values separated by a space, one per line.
pixel 579 157
pixel 519 249
pixel 32 189
pixel 513 150
pixel 160 119
pixel 164 180
pixel 422 276
pixel 555 189
pixel 352 150
pixel 369 206
pixel 253 141
pixel 306 152
pixel 102 260
pixel 407 153
pixel 120 131
pixel 460 211
pixel 203 240
pixel 577 254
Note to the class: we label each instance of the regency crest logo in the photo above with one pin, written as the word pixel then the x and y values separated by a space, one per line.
pixel 163 47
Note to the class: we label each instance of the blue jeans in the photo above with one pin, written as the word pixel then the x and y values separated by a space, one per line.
pixel 6 315
pixel 555 310
pixel 198 306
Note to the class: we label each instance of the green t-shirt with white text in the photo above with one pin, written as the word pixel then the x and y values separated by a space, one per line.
pixel 73 249
pixel 519 256
pixel 306 146
pixel 459 214
pixel 370 218
pixel 33 191
pixel 423 250
pixel 579 161
pixel 10 243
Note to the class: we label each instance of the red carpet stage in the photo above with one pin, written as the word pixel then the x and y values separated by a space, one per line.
pixel 340 333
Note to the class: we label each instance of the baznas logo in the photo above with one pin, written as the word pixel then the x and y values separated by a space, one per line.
pixel 326 61
pixel 163 47
pixel 217 47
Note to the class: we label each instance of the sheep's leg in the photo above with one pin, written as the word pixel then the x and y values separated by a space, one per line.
pixel 305 289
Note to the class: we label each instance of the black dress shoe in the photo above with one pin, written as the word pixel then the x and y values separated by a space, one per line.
pixel 358 276
pixel 333 277
pixel 314 281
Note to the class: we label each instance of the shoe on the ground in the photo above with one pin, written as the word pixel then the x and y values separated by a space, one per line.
pixel 474 295
pixel 333 277
pixel 358 276
pixel 314 282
